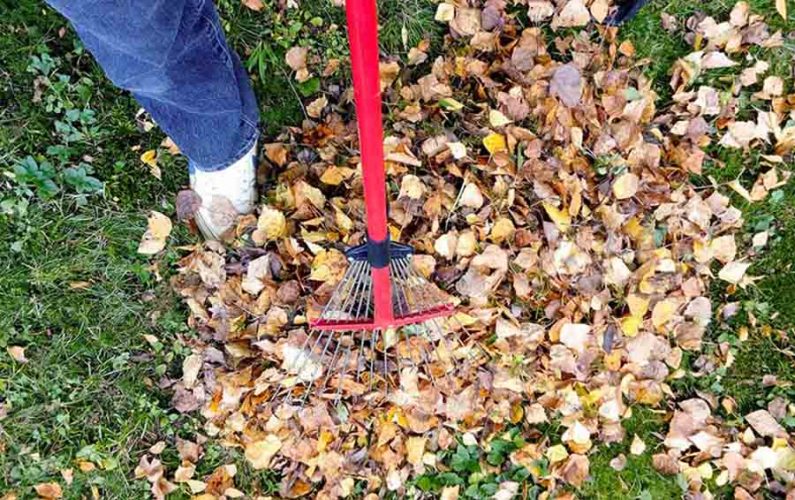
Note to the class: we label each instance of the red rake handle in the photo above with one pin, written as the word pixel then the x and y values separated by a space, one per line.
pixel 363 38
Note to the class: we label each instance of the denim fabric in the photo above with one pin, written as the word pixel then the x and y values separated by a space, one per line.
pixel 173 57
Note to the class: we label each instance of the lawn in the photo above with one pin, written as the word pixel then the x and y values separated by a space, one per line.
pixel 98 322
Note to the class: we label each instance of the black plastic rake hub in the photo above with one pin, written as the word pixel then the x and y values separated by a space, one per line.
pixel 379 253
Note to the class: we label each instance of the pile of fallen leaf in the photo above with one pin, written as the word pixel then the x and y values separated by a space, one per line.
pixel 548 193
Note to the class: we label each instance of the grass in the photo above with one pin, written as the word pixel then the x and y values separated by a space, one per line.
pixel 78 297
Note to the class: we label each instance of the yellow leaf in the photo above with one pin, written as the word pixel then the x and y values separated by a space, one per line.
pixel 467 244
pixel 781 8
pixel 662 313
pixel 444 13
pixel 495 143
pixel 412 187
pixel 344 223
pixel 154 239
pixel 271 225
pixel 497 119
pixel 259 453
pixel 561 218
pixel 556 453
pixel 638 306
pixel 150 158
pixel 503 230
pixel 415 447
pixel 625 186
pixel 630 325
pixel 304 192
pixel 334 176
pixel 328 265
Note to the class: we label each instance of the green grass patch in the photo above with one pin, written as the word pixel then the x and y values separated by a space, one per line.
pixel 638 479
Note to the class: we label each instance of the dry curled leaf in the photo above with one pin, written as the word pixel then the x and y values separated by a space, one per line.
pixel 154 239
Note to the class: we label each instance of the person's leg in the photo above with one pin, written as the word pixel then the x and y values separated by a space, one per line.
pixel 173 57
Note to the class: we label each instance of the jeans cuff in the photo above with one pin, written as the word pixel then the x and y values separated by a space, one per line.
pixel 248 145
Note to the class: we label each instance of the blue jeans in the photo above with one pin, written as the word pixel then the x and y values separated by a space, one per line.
pixel 173 57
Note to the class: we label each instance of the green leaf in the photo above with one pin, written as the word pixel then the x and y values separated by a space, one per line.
pixel 39 176
pixel 632 94
pixel 78 178
pixel 450 104
pixel 309 87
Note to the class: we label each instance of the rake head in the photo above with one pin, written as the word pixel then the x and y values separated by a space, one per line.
pixel 354 346
pixel 413 298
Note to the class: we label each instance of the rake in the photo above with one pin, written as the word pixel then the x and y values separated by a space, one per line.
pixel 383 310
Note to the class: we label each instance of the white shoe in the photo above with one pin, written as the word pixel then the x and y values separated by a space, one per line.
pixel 225 194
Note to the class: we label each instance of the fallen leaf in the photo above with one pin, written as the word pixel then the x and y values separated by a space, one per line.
pixel 638 447
pixel 471 196
pixel 733 272
pixel 781 8
pixel 271 225
pixel 625 186
pixel 444 12
pixel 316 107
pixel 764 424
pixel 260 453
pixel 412 187
pixel 296 58
pixel 573 14
pixel 190 370
pixel 502 230
pixel 255 5
pixel 49 490
pixel 567 82
pixel 497 119
pixel 495 143
pixel 154 239
pixel 17 353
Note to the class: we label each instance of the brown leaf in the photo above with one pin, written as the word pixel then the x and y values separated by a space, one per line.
pixel 573 14
pixel 17 353
pixel 764 423
pixel 154 239
pixel 255 5
pixel 296 58
pixel 576 470
pixel 188 204
pixel 665 464
pixel 49 490
pixel 567 84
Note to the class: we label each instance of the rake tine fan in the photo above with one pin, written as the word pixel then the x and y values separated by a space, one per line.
pixel 383 312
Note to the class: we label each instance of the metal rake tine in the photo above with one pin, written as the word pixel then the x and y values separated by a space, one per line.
pixel 358 310
pixel 426 356
pixel 344 363
pixel 386 376
pixel 312 382
pixel 396 296
pixel 406 292
pixel 353 286
pixel 303 363
pixel 373 335
pixel 352 269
